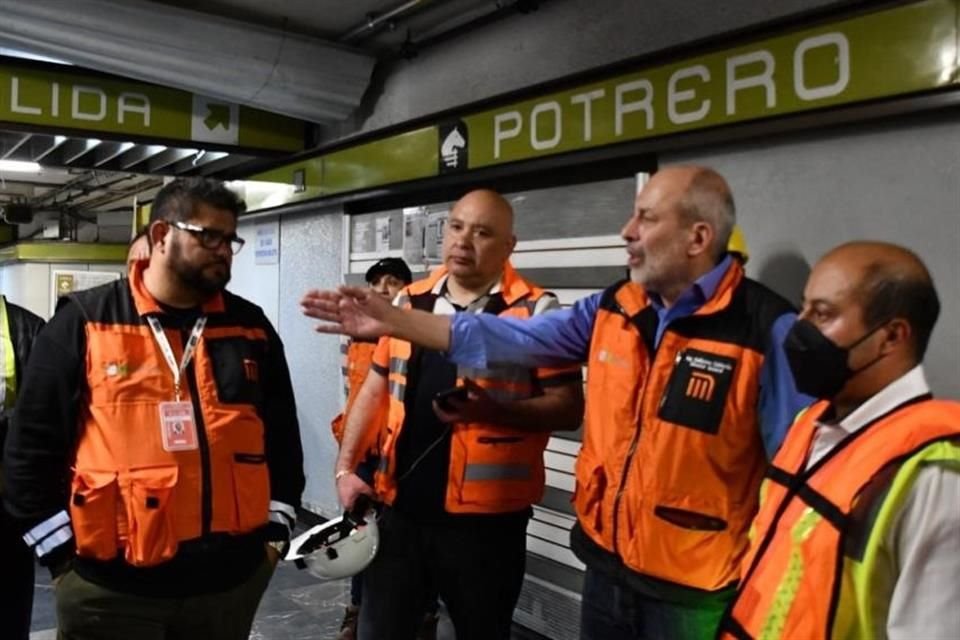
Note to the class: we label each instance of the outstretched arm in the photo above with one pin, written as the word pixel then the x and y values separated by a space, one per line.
pixel 477 340
pixel 362 313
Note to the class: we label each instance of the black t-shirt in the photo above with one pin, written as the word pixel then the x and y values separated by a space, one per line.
pixel 421 491
pixel 422 481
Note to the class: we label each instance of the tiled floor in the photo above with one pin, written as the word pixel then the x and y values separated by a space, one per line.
pixel 295 607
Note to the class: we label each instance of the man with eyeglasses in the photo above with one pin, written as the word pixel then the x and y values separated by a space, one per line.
pixel 154 462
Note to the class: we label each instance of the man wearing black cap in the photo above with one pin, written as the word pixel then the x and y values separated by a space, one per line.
pixel 387 277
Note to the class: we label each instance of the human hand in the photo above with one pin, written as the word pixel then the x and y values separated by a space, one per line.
pixel 354 311
pixel 273 555
pixel 350 487
pixel 478 407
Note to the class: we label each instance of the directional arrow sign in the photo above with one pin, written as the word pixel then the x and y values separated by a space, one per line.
pixel 218 115
pixel 215 121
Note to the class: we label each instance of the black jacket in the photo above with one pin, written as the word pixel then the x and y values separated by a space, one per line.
pixel 43 437
pixel 24 327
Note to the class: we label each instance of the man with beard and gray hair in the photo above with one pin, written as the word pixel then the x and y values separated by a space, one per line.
pixel 154 462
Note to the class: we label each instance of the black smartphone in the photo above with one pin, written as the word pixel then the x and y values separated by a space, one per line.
pixel 457 393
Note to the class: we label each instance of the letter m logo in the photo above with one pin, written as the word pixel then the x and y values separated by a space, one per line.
pixel 701 386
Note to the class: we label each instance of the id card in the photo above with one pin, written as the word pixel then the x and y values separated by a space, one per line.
pixel 178 429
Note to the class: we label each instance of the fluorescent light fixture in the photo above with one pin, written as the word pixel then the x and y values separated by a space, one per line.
pixel 27 55
pixel 59 140
pixel 92 142
pixel 126 146
pixel 19 167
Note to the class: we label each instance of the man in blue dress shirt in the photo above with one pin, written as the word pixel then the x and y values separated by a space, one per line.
pixel 688 394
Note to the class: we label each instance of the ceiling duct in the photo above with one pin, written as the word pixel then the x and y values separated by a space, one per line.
pixel 16 213
pixel 286 73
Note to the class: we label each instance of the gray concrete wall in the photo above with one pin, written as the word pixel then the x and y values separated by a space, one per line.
pixel 899 181
pixel 561 38
pixel 310 256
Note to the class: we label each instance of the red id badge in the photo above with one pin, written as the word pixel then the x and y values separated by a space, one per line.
pixel 178 429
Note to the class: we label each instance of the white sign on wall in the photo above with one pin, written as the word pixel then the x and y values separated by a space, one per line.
pixel 267 243
pixel 63 282
pixel 382 235
pixel 414 220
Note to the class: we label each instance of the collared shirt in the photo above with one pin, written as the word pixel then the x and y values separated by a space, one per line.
pixel 423 447
pixel 917 583
pixel 690 300
pixel 563 336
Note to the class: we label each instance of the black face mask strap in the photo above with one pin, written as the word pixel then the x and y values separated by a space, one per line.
pixel 860 341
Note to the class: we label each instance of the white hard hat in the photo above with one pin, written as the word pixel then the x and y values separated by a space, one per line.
pixel 338 548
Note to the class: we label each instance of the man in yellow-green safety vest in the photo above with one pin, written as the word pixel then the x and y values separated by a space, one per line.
pixel 858 533
pixel 18 328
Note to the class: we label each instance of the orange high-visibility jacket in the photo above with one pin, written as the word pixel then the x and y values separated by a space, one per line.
pixel 128 494
pixel 493 469
pixel 357 357
pixel 672 457
pixel 807 573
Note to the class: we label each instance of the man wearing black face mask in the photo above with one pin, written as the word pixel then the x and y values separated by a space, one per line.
pixel 858 533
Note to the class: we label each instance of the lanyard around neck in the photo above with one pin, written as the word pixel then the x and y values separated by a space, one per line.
pixel 188 350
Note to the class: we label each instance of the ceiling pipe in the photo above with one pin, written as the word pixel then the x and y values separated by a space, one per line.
pixel 374 22
pixel 471 21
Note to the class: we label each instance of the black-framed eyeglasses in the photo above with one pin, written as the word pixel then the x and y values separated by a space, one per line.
pixel 211 239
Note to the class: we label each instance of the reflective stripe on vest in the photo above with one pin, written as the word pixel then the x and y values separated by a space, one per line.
pixel 792 577
pixel 810 572
pixel 8 386
pixel 492 468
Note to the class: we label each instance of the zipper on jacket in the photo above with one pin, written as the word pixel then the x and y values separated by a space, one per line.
pixel 634 443
pixel 206 495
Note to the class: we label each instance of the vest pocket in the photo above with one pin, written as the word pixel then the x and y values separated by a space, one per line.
pixel 152 537
pixel 502 472
pixel 591 482
pixel 236 369
pixel 251 490
pixel 93 513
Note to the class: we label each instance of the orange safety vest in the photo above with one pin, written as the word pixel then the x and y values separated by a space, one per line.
pixel 357 356
pixel 672 458
pixel 493 469
pixel 128 494
pixel 814 525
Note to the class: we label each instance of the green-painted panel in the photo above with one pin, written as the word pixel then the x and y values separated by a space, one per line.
pixel 264 130
pixel 407 156
pixel 58 98
pixel 399 158
pixel 63 252
pixel 902 50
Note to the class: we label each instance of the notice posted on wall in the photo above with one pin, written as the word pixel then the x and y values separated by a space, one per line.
pixel 362 241
pixel 414 221
pixel 433 237
pixel 382 235
pixel 63 282
pixel 267 249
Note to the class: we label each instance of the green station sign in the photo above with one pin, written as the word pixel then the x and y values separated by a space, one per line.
pixel 58 98
pixel 901 50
